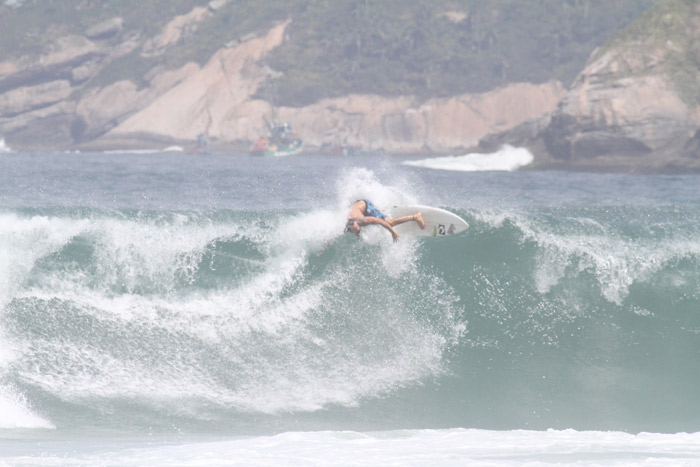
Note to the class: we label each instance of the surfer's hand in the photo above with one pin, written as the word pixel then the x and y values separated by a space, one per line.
pixel 396 236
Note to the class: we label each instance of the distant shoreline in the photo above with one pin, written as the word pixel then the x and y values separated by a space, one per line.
pixel 155 145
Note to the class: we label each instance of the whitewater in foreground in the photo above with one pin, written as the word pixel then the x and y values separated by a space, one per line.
pixel 456 447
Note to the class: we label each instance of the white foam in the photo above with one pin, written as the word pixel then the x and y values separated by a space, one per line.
pixel 14 412
pixel 4 148
pixel 152 251
pixel 587 245
pixel 25 240
pixel 448 447
pixel 362 183
pixel 506 159
pixel 289 369
pixel 145 151
pixel 308 231
pixel 174 149
pixel 618 262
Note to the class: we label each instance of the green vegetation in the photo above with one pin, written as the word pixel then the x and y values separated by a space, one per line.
pixel 670 30
pixel 428 48
pixel 434 48
pixel 32 27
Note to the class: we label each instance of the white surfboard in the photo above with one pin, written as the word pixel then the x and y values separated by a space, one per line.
pixel 438 222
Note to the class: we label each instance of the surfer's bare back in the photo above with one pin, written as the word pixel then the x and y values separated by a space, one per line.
pixel 363 212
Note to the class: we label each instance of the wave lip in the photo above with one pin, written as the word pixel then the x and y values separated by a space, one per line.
pixel 507 159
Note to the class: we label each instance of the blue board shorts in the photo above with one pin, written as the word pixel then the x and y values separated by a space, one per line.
pixel 372 211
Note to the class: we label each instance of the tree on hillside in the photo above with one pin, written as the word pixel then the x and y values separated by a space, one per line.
pixel 434 48
pixel 427 48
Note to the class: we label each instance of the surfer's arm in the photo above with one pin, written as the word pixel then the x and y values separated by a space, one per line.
pixel 383 223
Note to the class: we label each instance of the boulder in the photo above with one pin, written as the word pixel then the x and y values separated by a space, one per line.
pixel 609 113
pixel 29 98
pixel 216 5
pixel 57 63
pixel 46 127
pixel 173 32
pixel 101 109
pixel 105 29
pixel 635 106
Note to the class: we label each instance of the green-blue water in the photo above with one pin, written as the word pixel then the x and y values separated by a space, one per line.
pixel 165 293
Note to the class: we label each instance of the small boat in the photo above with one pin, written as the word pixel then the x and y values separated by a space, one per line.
pixel 283 141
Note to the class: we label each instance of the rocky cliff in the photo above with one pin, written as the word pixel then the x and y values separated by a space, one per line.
pixel 53 100
pixel 635 106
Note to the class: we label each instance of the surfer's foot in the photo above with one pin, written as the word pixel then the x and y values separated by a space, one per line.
pixel 419 218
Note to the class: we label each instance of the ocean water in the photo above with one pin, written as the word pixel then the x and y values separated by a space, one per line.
pixel 166 309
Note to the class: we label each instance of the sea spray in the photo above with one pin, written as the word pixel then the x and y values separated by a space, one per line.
pixel 16 413
pixel 124 309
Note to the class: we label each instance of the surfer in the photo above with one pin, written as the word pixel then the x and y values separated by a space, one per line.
pixel 363 212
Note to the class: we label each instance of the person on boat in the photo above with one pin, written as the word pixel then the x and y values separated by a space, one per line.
pixel 259 146
pixel 363 212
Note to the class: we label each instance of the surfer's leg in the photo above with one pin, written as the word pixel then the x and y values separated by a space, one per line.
pixel 415 217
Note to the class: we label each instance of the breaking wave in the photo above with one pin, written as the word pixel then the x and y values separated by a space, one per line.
pixel 562 317
pixel 508 159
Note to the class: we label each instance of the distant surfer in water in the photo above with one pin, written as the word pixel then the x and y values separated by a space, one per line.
pixel 363 212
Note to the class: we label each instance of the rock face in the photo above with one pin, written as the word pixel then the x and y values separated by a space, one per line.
pixel 438 125
pixel 632 107
pixel 218 100
pixel 105 29
pixel 39 95
pixel 49 100
pixel 56 63
pixel 215 99
pixel 174 31
pixel 610 114
pixel 225 109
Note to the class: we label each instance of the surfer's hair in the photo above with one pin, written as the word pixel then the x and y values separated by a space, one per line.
pixel 349 224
